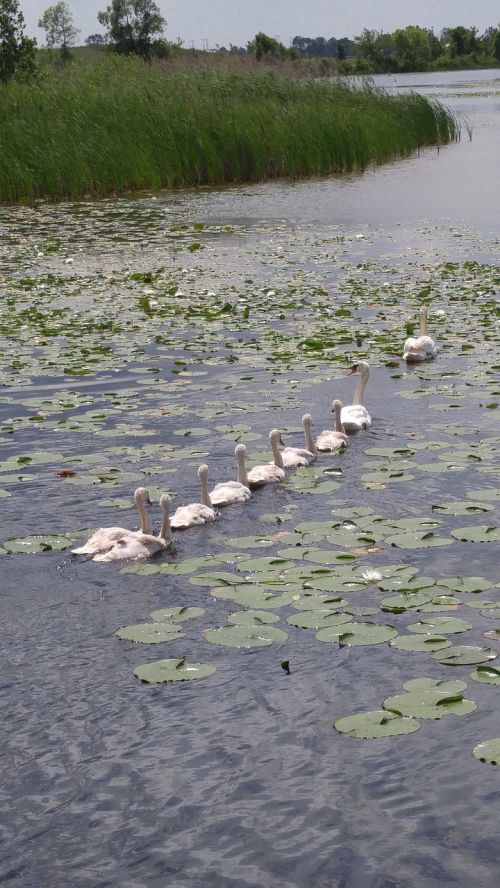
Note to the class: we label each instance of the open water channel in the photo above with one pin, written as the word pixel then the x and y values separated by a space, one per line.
pixel 142 336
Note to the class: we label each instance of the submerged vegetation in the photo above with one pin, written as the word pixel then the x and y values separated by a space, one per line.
pixel 120 125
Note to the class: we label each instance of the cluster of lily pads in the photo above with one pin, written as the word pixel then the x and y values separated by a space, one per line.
pixel 188 315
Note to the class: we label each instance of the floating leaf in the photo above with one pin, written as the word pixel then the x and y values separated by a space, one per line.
pixel 318 619
pixel 421 643
pixel 464 655
pixel 486 675
pixel 461 508
pixel 404 601
pixel 252 617
pixel 176 614
pixel 374 725
pixel 33 544
pixel 431 703
pixel 149 633
pixel 427 684
pixel 466 584
pixel 488 751
pixel 417 540
pixel 480 533
pixel 172 670
pixel 358 634
pixel 443 625
pixel 242 636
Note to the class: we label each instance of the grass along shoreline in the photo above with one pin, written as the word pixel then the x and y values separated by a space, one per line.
pixel 121 126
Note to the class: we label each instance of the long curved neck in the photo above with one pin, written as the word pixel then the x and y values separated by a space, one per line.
pixel 165 533
pixel 360 388
pixel 338 422
pixel 278 459
pixel 310 445
pixel 146 526
pixel 423 321
pixel 242 476
pixel 205 496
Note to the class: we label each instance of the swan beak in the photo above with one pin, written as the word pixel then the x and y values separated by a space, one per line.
pixel 352 370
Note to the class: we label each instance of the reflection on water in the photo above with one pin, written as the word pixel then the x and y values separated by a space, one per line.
pixel 240 780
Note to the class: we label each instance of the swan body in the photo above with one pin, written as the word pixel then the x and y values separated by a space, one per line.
pixel 195 513
pixel 355 416
pixel 301 456
pixel 271 473
pixel 118 543
pixel 423 348
pixel 141 545
pixel 334 439
pixel 228 492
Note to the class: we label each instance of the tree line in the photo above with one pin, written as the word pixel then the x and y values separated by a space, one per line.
pixel 136 27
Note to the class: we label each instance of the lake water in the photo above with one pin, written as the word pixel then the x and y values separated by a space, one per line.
pixel 143 336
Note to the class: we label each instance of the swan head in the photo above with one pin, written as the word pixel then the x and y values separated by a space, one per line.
pixel 336 405
pixel 141 495
pixel 203 472
pixel 275 436
pixel 361 367
pixel 307 419
pixel 240 449
pixel 165 502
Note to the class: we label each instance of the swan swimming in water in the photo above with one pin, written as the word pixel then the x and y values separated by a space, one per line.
pixel 141 545
pixel 423 348
pixel 135 543
pixel 355 416
pixel 299 456
pixel 271 472
pixel 334 439
pixel 195 513
pixel 227 492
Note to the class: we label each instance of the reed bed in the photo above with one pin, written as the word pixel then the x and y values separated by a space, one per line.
pixel 120 126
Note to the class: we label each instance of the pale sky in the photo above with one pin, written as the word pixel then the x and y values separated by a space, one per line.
pixel 236 21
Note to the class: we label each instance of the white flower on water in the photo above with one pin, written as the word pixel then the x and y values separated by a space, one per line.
pixel 371 575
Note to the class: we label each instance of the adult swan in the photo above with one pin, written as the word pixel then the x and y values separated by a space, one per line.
pixel 355 416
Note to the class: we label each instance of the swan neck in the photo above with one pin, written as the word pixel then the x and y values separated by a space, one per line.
pixel 310 445
pixel 360 388
pixel 241 476
pixel 278 459
pixel 165 533
pixel 146 526
pixel 423 322
pixel 338 421
pixel 205 496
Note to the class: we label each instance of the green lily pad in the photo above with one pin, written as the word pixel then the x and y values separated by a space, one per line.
pixel 488 751
pixel 318 619
pixel 461 508
pixel 439 604
pixel 176 614
pixel 404 601
pixel 492 495
pixel 161 671
pixel 252 618
pixel 421 643
pixel 440 625
pixel 488 604
pixel 480 533
pixel 432 684
pixel 466 584
pixel 486 675
pixel 405 584
pixel 242 636
pixel 464 655
pixel 34 544
pixel 417 540
pixel 358 634
pixel 217 578
pixel 375 725
pixel 433 703
pixel 149 633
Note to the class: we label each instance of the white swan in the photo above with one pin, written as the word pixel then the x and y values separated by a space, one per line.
pixel 106 538
pixel 271 472
pixel 423 348
pixel 355 416
pixel 228 492
pixel 195 513
pixel 300 456
pixel 102 540
pixel 334 439
pixel 141 545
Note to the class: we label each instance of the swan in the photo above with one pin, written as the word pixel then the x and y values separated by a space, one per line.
pixel 141 545
pixel 195 513
pixel 355 416
pixel 271 472
pixel 335 439
pixel 228 492
pixel 102 540
pixel 300 456
pixel 423 348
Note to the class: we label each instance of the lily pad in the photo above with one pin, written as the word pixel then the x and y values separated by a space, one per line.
pixel 464 655
pixel 358 634
pixel 404 601
pixel 248 636
pixel 34 544
pixel 375 725
pixel 414 540
pixel 161 671
pixel 486 675
pixel 461 508
pixel 432 703
pixel 440 625
pixel 252 618
pixel 479 533
pixel 176 614
pixel 488 751
pixel 318 619
pixel 466 584
pixel 421 643
pixel 149 633
pixel 455 686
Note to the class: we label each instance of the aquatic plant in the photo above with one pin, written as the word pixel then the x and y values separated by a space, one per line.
pixel 119 126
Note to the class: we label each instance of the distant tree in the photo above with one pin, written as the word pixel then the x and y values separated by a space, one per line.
pixel 133 25
pixel 375 48
pixel 96 40
pixel 412 48
pixel 462 41
pixel 497 46
pixel 262 46
pixel 17 52
pixel 57 22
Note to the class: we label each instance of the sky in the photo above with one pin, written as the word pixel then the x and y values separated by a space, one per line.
pixel 208 23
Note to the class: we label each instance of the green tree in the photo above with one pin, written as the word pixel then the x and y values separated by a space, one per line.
pixel 264 47
pixel 413 48
pixel 497 46
pixel 17 52
pixel 133 25
pixel 57 22
pixel 374 48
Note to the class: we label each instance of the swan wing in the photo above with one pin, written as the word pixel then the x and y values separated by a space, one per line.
pixel 297 456
pixel 188 516
pixel 229 492
pixel 330 440
pixel 268 474
pixel 102 540
pixel 355 417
